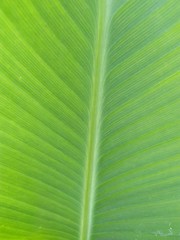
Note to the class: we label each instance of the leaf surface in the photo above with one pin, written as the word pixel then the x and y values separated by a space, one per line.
pixel 89 120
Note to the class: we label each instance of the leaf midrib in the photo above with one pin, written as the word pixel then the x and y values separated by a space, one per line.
pixel 98 77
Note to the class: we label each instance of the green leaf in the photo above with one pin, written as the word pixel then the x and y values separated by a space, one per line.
pixel 89 120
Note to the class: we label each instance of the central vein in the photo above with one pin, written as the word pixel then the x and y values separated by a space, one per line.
pixel 95 118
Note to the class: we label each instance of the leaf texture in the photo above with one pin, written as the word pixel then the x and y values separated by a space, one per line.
pixel 89 120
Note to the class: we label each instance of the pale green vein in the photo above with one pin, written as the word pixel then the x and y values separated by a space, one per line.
pixel 95 117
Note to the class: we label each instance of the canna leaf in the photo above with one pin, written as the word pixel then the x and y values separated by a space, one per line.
pixel 89 120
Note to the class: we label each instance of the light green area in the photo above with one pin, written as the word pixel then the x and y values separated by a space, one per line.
pixel 89 120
